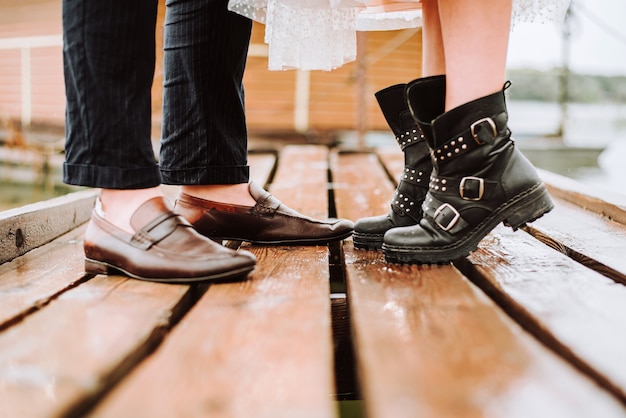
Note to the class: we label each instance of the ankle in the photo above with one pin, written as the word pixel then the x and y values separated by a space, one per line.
pixel 235 194
pixel 118 206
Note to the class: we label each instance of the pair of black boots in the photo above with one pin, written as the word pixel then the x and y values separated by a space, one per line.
pixel 463 175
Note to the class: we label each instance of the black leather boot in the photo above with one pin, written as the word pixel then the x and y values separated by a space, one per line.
pixel 479 180
pixel 406 204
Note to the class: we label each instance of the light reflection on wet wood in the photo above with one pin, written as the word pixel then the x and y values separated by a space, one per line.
pixel 31 281
pixel 611 205
pixel 574 309
pixel 590 240
pixel 431 344
pixel 68 352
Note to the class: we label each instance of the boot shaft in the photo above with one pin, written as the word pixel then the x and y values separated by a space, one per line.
pixel 392 102
pixel 471 138
pixel 478 118
pixel 426 101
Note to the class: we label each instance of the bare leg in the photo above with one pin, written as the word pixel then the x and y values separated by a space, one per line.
pixel 475 37
pixel 119 205
pixel 433 59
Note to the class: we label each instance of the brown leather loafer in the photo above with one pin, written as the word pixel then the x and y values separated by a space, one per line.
pixel 268 222
pixel 165 248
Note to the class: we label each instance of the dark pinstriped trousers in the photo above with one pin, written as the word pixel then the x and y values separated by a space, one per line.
pixel 109 58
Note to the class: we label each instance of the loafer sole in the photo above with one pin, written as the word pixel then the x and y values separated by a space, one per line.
pixel 100 267
pixel 293 241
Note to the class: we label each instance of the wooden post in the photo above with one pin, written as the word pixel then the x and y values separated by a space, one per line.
pixel 361 89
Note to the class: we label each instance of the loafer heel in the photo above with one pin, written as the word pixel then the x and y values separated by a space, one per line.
pixel 96 267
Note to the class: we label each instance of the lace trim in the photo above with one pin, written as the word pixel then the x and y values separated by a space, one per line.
pixel 321 34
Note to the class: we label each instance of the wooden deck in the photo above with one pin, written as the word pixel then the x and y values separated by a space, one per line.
pixel 532 324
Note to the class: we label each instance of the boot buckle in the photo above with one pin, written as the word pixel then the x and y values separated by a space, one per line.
pixel 476 190
pixel 446 210
pixel 474 132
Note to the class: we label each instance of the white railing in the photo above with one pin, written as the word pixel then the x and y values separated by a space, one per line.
pixel 25 45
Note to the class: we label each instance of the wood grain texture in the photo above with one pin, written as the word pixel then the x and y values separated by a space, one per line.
pixel 31 281
pixel 301 179
pixel 611 205
pixel 429 343
pixel 587 237
pixel 31 226
pixel 574 310
pixel 62 356
pixel 362 187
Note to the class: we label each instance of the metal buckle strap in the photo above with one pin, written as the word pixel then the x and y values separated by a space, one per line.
pixel 467 188
pixel 446 213
pixel 475 186
pixel 475 132
pixel 461 144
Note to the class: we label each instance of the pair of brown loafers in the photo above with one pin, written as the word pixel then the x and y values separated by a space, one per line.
pixel 178 245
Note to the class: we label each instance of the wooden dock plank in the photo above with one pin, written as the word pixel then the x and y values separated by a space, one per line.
pixel 258 348
pixel 62 357
pixel 31 281
pixel 429 343
pixel 369 197
pixel 301 179
pixel 392 160
pixel 586 237
pixel 36 224
pixel 262 165
pixel 574 310
pixel 611 205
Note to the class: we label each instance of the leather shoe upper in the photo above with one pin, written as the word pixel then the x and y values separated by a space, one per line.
pixel 164 248
pixel 267 222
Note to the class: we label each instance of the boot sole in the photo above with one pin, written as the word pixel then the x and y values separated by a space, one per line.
pixel 367 241
pixel 523 208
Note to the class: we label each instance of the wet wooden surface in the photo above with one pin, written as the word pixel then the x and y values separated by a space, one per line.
pixel 531 324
